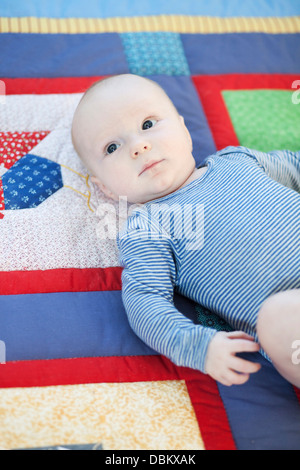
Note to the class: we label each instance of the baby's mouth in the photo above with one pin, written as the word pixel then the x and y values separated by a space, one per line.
pixel 149 165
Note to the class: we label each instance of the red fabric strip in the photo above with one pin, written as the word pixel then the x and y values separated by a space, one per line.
pixel 297 391
pixel 209 88
pixel 41 373
pixel 16 86
pixel 210 413
pixel 60 280
pixel 203 390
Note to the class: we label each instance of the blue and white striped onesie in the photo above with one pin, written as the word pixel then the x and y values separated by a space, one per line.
pixel 244 215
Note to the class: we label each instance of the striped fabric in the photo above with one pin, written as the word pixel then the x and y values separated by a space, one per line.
pixel 238 244
pixel 153 23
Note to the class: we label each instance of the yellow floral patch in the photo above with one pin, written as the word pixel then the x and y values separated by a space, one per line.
pixel 140 415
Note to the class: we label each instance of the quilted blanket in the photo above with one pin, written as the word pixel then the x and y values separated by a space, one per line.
pixel 72 372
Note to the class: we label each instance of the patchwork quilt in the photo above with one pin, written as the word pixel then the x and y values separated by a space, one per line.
pixel 72 372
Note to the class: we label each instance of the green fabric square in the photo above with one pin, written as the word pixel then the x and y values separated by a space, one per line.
pixel 264 119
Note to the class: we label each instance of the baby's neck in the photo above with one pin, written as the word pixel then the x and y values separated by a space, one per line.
pixel 195 175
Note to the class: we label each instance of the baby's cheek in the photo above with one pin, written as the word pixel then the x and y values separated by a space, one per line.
pixel 122 183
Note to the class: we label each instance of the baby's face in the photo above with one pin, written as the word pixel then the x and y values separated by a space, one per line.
pixel 134 142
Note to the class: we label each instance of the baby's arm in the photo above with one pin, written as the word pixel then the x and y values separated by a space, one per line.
pixel 148 279
pixel 281 165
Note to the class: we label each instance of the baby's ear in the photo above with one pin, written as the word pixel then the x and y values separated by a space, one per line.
pixel 103 188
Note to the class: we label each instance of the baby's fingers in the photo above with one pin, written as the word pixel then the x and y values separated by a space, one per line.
pixel 244 367
pixel 233 378
pixel 244 345
pixel 239 372
pixel 240 335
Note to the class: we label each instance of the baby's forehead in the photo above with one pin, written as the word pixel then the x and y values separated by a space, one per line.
pixel 133 88
pixel 108 99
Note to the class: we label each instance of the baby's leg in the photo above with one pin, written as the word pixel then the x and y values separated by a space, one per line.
pixel 278 332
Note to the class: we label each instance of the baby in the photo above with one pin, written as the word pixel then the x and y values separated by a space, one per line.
pixel 225 235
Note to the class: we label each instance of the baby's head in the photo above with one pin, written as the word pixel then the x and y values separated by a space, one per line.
pixel 132 140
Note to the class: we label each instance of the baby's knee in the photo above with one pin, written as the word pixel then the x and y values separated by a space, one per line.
pixel 278 327
pixel 278 309
pixel 272 325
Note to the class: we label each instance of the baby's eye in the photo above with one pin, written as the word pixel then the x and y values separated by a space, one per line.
pixel 112 148
pixel 149 123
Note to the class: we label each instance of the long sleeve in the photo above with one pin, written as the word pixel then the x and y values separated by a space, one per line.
pixel 148 279
pixel 281 165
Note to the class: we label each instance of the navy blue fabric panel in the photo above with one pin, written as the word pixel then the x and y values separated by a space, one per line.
pixel 182 92
pixel 70 324
pixel 264 413
pixel 61 55
pixel 242 53
pixel 62 325
pixel 40 55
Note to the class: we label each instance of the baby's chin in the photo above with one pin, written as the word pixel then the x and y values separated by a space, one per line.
pixel 158 189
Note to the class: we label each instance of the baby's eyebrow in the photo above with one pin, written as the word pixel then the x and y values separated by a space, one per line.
pixel 153 114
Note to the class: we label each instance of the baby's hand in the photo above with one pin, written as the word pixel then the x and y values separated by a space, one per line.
pixel 223 365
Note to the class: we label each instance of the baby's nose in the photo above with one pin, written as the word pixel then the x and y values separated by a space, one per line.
pixel 140 148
